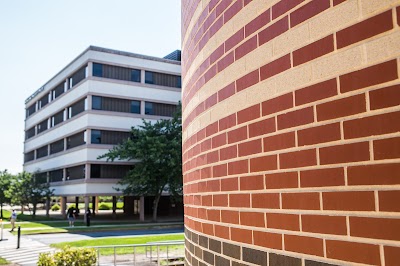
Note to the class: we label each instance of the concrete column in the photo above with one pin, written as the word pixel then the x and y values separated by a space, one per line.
pixel 114 207
pixel 63 206
pixel 141 209
pixel 89 70
pixel 97 204
pixel 94 205
pixel 142 107
pixel 142 76
pixel 87 171
pixel 77 202
pixel 86 208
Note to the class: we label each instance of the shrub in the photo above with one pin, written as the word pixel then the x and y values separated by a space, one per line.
pixel 104 206
pixel 69 256
pixel 55 207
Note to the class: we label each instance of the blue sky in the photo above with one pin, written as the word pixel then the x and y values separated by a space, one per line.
pixel 38 38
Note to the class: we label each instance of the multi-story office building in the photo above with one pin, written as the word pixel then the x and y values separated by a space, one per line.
pixel 89 107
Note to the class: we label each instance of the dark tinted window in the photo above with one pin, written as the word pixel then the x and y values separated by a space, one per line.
pixel 58 118
pixel 42 152
pixel 96 137
pixel 97 70
pixel 160 109
pixel 44 101
pixel 30 133
pixel 109 171
pixel 40 178
pixel 31 110
pixel 76 140
pixel 57 146
pixel 77 172
pixel 78 76
pixel 58 90
pixel 56 176
pixel 135 107
pixel 135 75
pixel 96 103
pixel 162 79
pixel 42 126
pixel 77 108
pixel 30 156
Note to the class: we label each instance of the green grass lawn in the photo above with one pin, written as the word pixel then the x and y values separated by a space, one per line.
pixel 3 261
pixel 124 241
pixel 26 217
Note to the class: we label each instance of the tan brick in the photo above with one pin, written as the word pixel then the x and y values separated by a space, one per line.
pixel 383 48
pixel 291 39
pixel 369 7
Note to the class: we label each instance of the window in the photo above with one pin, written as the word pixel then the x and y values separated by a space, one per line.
pixel 58 90
pixel 42 126
pixel 30 133
pixel 96 137
pixel 42 152
pixel 31 110
pixel 135 75
pixel 58 118
pixel 77 77
pixel 162 79
pixel 76 108
pixel 56 175
pixel 97 70
pixel 76 172
pixel 40 178
pixel 43 101
pixel 76 140
pixel 160 109
pixel 96 103
pixel 30 156
pixel 135 107
pixel 109 171
pixel 57 146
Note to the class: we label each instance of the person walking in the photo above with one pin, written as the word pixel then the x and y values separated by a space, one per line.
pixel 13 219
pixel 71 216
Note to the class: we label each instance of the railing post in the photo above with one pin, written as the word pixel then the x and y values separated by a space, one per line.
pixel 167 256
pixel 19 237
pixel 134 255
pixel 115 257
pixel 158 255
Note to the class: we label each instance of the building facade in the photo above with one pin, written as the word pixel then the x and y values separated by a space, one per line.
pixel 291 132
pixel 89 107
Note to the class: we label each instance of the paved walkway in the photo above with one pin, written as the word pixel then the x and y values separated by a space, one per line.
pixel 26 255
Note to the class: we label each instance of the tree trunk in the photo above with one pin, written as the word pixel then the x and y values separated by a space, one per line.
pixel 22 208
pixel 1 211
pixel 155 206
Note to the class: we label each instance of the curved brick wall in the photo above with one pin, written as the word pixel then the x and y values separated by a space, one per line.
pixel 291 141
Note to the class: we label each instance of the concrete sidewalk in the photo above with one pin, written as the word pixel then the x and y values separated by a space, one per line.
pixel 26 255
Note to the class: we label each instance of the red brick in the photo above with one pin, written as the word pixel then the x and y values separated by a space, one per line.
pixel 246 47
pixel 284 6
pixel 239 200
pixel 342 107
pixel 349 201
pixel 389 201
pixel 385 97
pixel 275 67
pixel 265 201
pixel 267 240
pixel 213 29
pixel 298 159
pixel 376 174
pixel 387 148
pixel 323 224
pixel 337 2
pixel 369 76
pixel 221 231
pixel 279 142
pixel 225 61
pixel 228 153
pixel 241 235
pixel 231 217
pixel 320 134
pixel 355 152
pixel 283 221
pixel 201 134
pixel 219 170
pixel 212 4
pixel 262 127
pixel 217 54
pixel 212 129
pixel 308 11
pixel 206 200
pixel 250 147
pixel 238 134
pixel 263 163
pixel 210 73
pixel 281 180
pixel 316 92
pixel 227 122
pixel 365 29
pixel 238 167
pixel 372 125
pixel 277 104
pixel 229 184
pixel 222 6
pixel 205 145
pixel 219 140
pixel 213 186
pixel 247 80
pixel 376 228
pixel 398 15
pixel 250 113
pixel 257 23
pixel 322 177
pixel 313 50
pixel 226 92
pixel 211 101
pixel 208 229
pixel 304 244
pixel 201 213
pixel 354 252
pixel 212 157
pixel 220 200
pixel 232 10
pixel 301 201
pixel 392 254
pixel 252 219
pixel 234 39
pixel 252 182
pixel 296 118
pixel 273 31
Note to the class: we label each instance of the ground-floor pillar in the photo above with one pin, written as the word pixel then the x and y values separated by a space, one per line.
pixel 48 207
pixel 63 203
pixel 85 211
pixel 97 204
pixel 141 209
pixel 114 207
pixel 94 205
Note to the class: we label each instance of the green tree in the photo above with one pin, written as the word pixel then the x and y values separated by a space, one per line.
pixel 5 180
pixel 157 146
pixel 27 189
